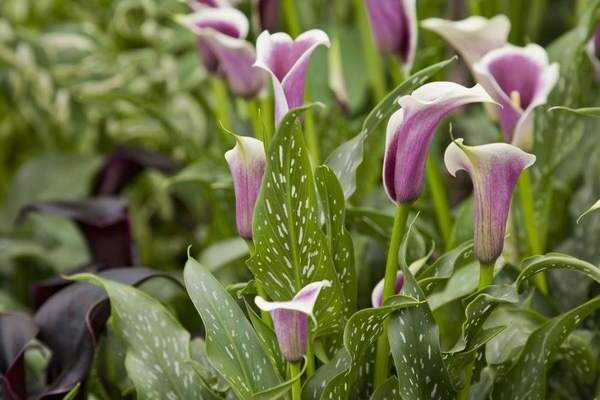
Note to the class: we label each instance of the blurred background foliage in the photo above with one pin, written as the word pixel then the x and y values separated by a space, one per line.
pixel 79 79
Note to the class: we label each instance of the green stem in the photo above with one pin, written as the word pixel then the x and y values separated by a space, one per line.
pixel 528 208
pixel 396 71
pixel 464 392
pixel 517 21
pixel 486 274
pixel 389 285
pixel 255 120
pixel 291 17
pixel 294 370
pixel 312 142
pixel 439 198
pixel 310 358
pixel 266 116
pixel 221 102
pixel 372 57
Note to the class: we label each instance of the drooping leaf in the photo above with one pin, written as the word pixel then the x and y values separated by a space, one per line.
pixel 339 239
pixel 584 111
pixel 82 310
pixel 291 249
pixel 360 336
pixel 158 349
pixel 551 261
pixel 527 377
pixel 232 346
pixel 346 159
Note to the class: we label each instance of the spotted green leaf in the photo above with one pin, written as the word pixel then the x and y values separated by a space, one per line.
pixel 534 265
pixel 339 239
pixel 360 336
pixel 346 159
pixel 526 380
pixel 291 248
pixel 158 349
pixel 232 345
pixel 388 390
pixel 415 344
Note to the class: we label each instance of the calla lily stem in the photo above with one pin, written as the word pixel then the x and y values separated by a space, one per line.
pixel 486 275
pixel 291 17
pixel 221 102
pixel 371 53
pixel 389 285
pixel 439 199
pixel 294 370
pixel 528 208
pixel 312 141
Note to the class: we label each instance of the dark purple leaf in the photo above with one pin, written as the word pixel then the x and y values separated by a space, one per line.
pixel 124 165
pixel 16 331
pixel 69 324
pixel 104 223
pixel 40 291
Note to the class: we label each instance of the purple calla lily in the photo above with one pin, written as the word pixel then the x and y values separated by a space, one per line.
pixel 520 79
pixel 394 25
pixel 16 332
pixel 494 169
pixel 472 37
pixel 593 52
pixel 377 293
pixel 221 41
pixel 290 319
pixel 410 131
pixel 286 60
pixel 247 161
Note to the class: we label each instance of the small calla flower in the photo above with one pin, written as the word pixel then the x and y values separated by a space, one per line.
pixel 394 25
pixel 472 37
pixel 410 131
pixel 520 79
pixel 290 319
pixel 221 41
pixel 286 61
pixel 247 162
pixel 593 52
pixel 377 293
pixel 494 169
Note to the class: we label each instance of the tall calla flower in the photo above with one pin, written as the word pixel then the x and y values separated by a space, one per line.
pixel 472 37
pixel 593 52
pixel 520 79
pixel 221 41
pixel 377 293
pixel 290 319
pixel 494 169
pixel 394 25
pixel 247 162
pixel 410 131
pixel 286 61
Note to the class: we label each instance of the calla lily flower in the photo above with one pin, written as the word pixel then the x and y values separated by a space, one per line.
pixel 593 52
pixel 494 169
pixel 394 25
pixel 198 4
pixel 377 293
pixel 520 79
pixel 247 162
pixel 410 132
pixel 290 319
pixel 472 37
pixel 221 41
pixel 286 61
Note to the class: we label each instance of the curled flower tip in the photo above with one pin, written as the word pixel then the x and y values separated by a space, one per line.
pixel 377 294
pixel 223 49
pixel 290 319
pixel 394 25
pixel 520 79
pixel 286 60
pixel 473 37
pixel 410 131
pixel 593 52
pixel 494 169
pixel 247 161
